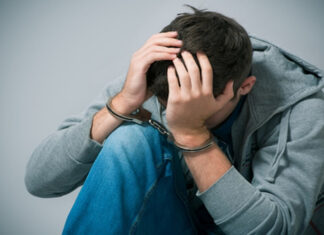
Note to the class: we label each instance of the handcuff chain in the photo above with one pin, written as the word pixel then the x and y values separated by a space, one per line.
pixel 141 116
pixel 159 127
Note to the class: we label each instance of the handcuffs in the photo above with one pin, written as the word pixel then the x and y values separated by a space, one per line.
pixel 141 116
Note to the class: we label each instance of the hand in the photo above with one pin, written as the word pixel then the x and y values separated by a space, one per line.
pixel 191 101
pixel 162 46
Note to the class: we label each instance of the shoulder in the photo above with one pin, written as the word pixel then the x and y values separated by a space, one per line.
pixel 307 116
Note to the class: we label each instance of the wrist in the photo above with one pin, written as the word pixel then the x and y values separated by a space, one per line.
pixel 120 104
pixel 192 139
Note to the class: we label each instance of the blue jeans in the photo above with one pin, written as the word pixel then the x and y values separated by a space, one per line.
pixel 135 186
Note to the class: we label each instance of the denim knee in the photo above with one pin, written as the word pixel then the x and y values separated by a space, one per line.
pixel 129 185
pixel 136 144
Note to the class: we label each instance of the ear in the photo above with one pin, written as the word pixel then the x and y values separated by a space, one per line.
pixel 247 85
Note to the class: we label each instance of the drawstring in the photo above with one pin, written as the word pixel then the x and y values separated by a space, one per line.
pixel 281 147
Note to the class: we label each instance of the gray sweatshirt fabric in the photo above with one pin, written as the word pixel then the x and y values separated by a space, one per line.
pixel 277 179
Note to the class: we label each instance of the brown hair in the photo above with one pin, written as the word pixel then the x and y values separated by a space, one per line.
pixel 222 39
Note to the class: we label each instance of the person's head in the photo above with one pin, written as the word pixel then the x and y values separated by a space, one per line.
pixel 222 39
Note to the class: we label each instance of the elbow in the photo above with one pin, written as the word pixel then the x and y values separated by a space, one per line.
pixel 38 189
pixel 33 186
pixel 264 216
pixel 36 185
pixel 282 219
pixel 45 187
pixel 36 179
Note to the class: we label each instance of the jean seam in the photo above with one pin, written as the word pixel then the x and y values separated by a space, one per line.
pixel 147 196
pixel 182 198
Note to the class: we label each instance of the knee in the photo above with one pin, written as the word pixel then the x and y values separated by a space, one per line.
pixel 132 136
pixel 135 144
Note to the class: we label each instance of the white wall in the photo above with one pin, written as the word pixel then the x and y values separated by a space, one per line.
pixel 55 56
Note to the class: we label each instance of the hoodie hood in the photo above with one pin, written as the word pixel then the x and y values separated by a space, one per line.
pixel 282 80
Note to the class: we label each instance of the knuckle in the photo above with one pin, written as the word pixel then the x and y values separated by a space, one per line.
pixel 174 99
pixel 194 68
pixel 154 36
pixel 207 93
pixel 149 45
pixel 186 98
pixel 209 69
pixel 186 77
pixel 196 94
pixel 148 41
pixel 151 41
pixel 153 48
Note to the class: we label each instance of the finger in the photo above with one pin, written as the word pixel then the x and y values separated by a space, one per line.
pixel 165 34
pixel 206 72
pixel 193 70
pixel 229 91
pixel 144 61
pixel 165 41
pixel 149 58
pixel 157 38
pixel 158 49
pixel 183 75
pixel 171 50
pixel 173 82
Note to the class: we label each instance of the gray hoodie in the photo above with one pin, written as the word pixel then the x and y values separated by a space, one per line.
pixel 277 178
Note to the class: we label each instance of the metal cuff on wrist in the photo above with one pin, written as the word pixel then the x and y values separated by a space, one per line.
pixel 121 117
pixel 206 145
pixel 136 117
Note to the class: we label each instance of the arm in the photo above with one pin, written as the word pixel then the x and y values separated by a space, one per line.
pixel 190 104
pixel 62 161
pixel 282 205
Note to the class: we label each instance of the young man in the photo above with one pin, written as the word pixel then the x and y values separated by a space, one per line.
pixel 245 157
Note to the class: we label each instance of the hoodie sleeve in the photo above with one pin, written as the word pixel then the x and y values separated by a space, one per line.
pixel 61 162
pixel 287 177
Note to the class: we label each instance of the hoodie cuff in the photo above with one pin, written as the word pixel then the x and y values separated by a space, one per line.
pixel 81 148
pixel 221 199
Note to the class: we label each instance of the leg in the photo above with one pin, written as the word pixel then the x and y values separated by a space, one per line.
pixel 135 186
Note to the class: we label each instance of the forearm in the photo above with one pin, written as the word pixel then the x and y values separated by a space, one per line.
pixel 207 166
pixel 232 201
pixel 228 197
pixel 104 123
pixel 238 207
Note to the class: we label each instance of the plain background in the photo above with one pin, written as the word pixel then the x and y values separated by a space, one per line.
pixel 55 56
